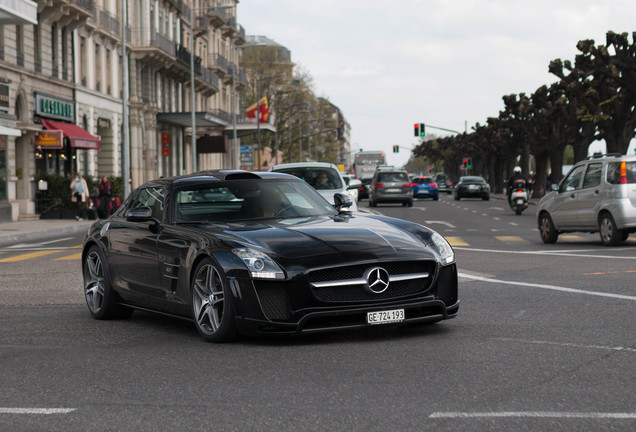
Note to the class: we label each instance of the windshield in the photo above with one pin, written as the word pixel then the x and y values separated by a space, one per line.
pixel 319 178
pixel 243 200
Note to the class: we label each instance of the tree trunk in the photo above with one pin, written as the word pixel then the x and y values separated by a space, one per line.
pixel 541 175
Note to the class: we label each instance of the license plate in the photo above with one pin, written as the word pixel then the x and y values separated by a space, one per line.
pixel 393 191
pixel 384 317
pixel 519 201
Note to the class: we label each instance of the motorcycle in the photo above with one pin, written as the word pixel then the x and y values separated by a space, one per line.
pixel 519 196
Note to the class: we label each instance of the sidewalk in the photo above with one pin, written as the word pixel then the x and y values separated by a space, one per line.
pixel 22 231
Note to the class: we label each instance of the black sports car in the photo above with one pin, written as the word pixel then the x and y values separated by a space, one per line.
pixel 472 187
pixel 241 252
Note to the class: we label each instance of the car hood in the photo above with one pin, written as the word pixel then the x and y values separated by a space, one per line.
pixel 357 238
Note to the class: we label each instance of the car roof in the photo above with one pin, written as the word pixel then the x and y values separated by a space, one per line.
pixel 215 175
pixel 304 165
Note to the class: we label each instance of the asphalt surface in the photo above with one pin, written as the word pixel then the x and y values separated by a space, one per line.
pixel 544 341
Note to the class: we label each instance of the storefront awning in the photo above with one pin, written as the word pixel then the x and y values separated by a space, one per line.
pixel 9 131
pixel 78 137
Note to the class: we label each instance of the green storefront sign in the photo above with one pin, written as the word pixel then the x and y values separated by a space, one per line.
pixel 54 108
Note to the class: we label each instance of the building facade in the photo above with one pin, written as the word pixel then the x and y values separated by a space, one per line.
pixel 61 92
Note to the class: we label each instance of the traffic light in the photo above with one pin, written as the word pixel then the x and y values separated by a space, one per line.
pixel 422 130
pixel 417 130
pixel 396 149
pixel 470 163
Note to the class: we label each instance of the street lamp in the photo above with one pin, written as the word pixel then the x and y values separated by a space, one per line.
pixel 192 95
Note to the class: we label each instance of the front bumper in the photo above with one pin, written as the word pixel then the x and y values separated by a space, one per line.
pixel 293 308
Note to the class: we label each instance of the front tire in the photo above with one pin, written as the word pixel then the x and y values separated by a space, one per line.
pixel 100 297
pixel 547 230
pixel 610 234
pixel 212 308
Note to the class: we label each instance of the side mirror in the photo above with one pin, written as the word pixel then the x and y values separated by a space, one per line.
pixel 139 214
pixel 342 202
pixel 554 187
pixel 354 184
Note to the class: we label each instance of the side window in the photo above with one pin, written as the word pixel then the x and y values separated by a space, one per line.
pixel 592 175
pixel 572 181
pixel 613 173
pixel 152 197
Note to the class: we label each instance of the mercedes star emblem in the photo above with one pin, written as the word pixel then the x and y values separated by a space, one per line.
pixel 377 280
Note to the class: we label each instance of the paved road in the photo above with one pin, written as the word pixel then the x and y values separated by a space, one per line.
pixel 544 341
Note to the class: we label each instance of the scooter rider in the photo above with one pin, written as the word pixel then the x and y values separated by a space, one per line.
pixel 511 181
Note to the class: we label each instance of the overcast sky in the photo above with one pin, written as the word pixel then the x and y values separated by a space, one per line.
pixel 446 63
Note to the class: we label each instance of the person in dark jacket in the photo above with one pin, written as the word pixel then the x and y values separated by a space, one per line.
pixel 511 181
pixel 105 196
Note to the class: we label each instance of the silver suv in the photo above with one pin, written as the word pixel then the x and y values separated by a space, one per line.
pixel 597 195
pixel 390 185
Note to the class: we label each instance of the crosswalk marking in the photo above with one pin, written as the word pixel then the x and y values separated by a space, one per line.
pixel 511 239
pixel 28 256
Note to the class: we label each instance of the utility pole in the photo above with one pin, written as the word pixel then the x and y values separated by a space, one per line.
pixel 125 154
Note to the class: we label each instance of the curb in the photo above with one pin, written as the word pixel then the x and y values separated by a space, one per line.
pixel 75 228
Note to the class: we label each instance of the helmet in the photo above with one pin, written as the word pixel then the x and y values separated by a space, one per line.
pixel 517 170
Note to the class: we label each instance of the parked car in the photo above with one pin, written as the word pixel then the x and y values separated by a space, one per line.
pixel 324 177
pixel 424 187
pixel 472 187
pixel 390 185
pixel 444 183
pixel 272 258
pixel 597 195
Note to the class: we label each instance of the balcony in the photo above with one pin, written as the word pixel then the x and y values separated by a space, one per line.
pixel 220 65
pixel 152 47
pixel 209 82
pixel 107 24
pixel 66 13
pixel 201 25
pixel 183 55
pixel 217 16
pixel 240 37
pixel 230 27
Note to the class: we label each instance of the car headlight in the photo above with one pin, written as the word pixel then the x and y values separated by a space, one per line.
pixel 259 264
pixel 444 248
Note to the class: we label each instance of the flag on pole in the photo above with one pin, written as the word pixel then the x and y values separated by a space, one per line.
pixel 264 111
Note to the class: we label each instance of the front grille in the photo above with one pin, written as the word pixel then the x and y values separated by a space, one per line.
pixel 352 293
pixel 274 300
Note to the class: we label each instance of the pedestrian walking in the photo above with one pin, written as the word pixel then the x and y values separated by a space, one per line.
pixel 80 196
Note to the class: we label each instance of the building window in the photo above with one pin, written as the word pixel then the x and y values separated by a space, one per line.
pixel 1 42
pixel 98 67
pixel 109 72
pixel 65 54
pixel 54 67
pixel 19 45
pixel 37 40
pixel 83 61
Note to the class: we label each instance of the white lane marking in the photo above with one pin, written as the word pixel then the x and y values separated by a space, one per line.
pixel 36 410
pixel 514 224
pixel 547 287
pixel 535 414
pixel 567 344
pixel 23 245
pixel 496 218
pixel 448 224
pixel 496 208
pixel 554 253
pixel 484 214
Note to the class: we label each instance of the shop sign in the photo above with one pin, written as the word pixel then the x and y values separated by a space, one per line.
pixel 165 150
pixel 54 108
pixel 49 139
pixel 165 138
pixel 4 98
pixel 103 123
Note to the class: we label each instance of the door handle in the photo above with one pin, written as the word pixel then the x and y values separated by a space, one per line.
pixel 596 192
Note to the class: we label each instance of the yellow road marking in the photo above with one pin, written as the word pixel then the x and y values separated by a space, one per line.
pixel 571 237
pixel 70 257
pixel 29 256
pixel 75 247
pixel 456 241
pixel 511 239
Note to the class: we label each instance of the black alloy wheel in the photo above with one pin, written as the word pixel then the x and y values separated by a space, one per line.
pixel 212 308
pixel 547 230
pixel 100 297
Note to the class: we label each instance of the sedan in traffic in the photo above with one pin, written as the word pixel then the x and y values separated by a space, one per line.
pixel 239 252
pixel 424 187
pixel 472 187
